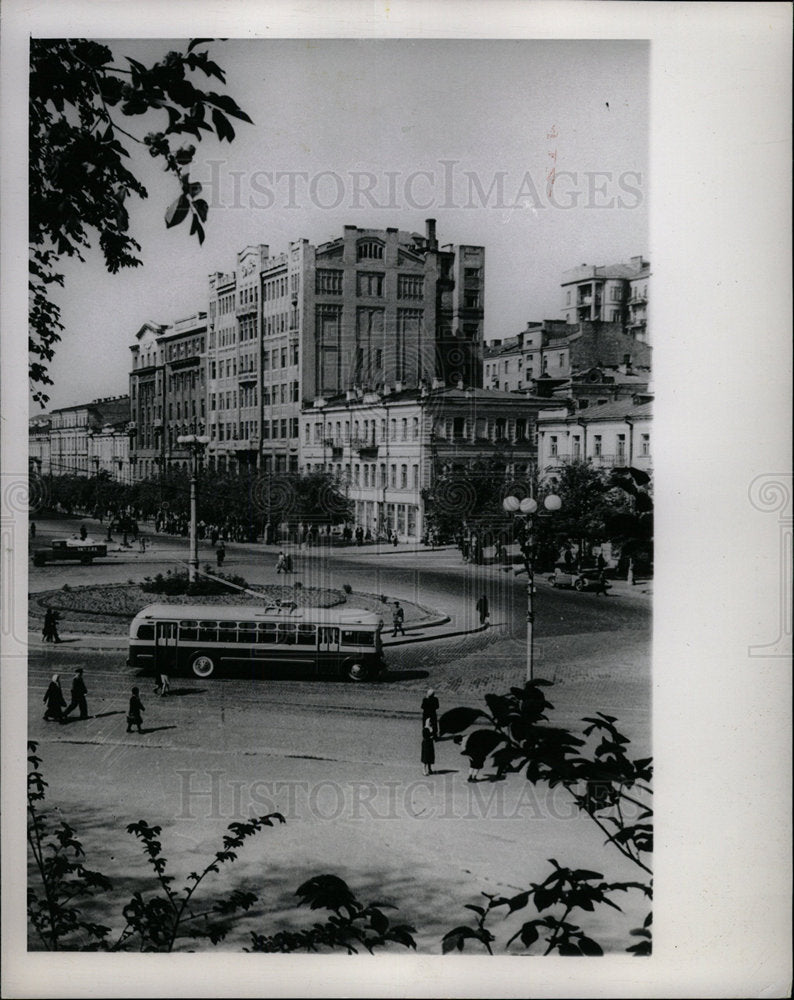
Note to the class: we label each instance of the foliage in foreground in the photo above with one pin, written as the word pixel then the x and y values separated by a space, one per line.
pixel 604 782
pixel 159 920
pixel 83 107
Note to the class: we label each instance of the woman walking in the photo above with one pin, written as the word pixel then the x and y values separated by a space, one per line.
pixel 54 700
pixel 134 715
pixel 428 747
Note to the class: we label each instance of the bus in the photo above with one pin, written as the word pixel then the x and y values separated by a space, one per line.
pixel 323 642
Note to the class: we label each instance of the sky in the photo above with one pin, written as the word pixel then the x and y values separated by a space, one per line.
pixel 384 133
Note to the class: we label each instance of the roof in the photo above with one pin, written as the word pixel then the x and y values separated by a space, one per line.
pixel 617 410
pixel 261 612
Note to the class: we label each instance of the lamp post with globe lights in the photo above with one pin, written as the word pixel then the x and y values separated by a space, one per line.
pixel 196 443
pixel 524 511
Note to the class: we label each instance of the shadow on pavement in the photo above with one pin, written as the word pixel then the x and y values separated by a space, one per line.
pixel 102 715
pixel 155 729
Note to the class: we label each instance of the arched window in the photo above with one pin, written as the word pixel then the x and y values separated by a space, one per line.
pixel 369 250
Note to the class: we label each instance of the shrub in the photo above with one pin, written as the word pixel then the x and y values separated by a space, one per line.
pixel 347 588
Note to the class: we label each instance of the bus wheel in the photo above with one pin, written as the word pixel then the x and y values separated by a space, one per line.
pixel 579 585
pixel 357 671
pixel 202 665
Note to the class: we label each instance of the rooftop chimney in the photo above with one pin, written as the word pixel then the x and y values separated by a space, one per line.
pixel 432 242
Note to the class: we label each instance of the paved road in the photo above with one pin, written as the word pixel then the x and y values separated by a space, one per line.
pixel 340 758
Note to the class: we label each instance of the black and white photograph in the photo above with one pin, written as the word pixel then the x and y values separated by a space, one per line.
pixel 364 550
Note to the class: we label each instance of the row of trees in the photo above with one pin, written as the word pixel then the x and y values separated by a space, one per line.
pixel 597 506
pixel 251 501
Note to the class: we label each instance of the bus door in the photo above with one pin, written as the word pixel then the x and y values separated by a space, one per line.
pixel 165 646
pixel 327 649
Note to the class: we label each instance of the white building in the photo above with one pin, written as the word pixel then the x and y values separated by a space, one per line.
pixel 386 448
pixel 613 435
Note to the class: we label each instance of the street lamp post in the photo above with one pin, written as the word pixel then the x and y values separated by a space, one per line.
pixel 196 444
pixel 524 511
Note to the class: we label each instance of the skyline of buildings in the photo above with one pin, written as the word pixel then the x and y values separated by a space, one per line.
pixel 365 357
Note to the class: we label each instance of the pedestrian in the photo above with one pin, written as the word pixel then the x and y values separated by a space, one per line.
pixel 601 562
pixel 79 692
pixel 398 617
pixel 220 554
pixel 54 700
pixel 83 533
pixel 288 563
pixel 476 762
pixel 142 542
pixel 394 539
pixel 483 610
pixel 428 748
pixel 49 632
pixel 163 685
pixel 430 711
pixel 134 715
pixel 601 584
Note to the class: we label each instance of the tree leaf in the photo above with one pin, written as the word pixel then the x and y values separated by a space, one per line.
pixel 458 719
pixel 177 212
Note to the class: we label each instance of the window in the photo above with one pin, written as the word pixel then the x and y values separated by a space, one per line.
pixel 621 446
pixel 561 360
pixel 577 446
pixel 471 273
pixel 393 475
pixel 328 282
pixel 645 444
pixel 369 284
pixel 471 300
pixel 410 286
pixel 597 445
pixel 553 445
pixel 369 250
pixel 415 477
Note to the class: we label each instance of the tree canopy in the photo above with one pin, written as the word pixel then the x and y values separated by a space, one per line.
pixel 80 176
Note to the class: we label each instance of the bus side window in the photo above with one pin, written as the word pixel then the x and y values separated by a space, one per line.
pixel 247 632
pixel 266 632
pixel 286 633
pixel 188 631
pixel 306 635
pixel 208 631
pixel 146 631
pixel 355 638
pixel 227 632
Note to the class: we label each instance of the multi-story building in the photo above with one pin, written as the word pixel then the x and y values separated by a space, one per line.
pixel 39 454
pixel 167 393
pixel 387 447
pixel 614 434
pixel 90 437
pixel 366 311
pixel 613 293
pixel 551 353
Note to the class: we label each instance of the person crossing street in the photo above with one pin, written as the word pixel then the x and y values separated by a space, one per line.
pixel 398 617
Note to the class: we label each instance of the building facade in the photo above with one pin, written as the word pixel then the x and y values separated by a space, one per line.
pixel 168 396
pixel 368 311
pixel 387 447
pixel 85 439
pixel 613 293
pixel 613 435
pixel 552 353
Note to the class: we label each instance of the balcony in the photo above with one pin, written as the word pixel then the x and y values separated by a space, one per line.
pixel 364 446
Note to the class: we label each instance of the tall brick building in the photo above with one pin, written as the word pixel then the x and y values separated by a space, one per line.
pixel 369 310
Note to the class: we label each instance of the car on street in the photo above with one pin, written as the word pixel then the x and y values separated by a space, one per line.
pixel 586 578
pixel 65 549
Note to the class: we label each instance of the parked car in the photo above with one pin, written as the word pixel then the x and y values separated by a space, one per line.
pixel 580 579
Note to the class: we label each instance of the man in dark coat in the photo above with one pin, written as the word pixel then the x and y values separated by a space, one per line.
pixel 79 692
pixel 482 609
pixel 398 617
